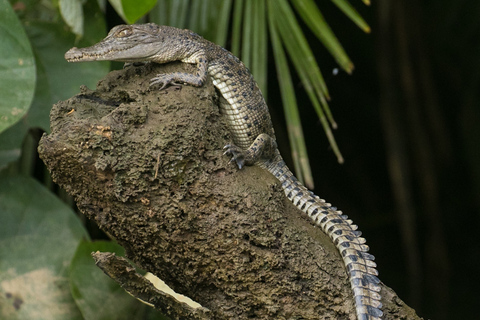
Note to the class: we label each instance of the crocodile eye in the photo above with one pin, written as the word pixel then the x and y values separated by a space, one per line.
pixel 124 33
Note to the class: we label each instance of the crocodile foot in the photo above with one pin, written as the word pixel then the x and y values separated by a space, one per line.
pixel 164 80
pixel 237 154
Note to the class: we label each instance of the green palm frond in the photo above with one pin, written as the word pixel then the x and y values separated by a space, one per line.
pixel 255 23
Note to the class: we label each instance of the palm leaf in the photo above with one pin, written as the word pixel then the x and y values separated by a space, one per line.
pixel 292 116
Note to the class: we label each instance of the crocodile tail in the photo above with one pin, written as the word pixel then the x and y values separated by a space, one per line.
pixel 359 263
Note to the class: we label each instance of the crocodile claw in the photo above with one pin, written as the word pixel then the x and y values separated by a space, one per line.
pixel 164 81
pixel 237 154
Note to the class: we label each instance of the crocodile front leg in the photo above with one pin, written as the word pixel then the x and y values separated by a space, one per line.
pixel 177 78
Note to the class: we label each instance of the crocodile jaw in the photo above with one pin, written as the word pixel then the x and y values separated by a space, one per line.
pixel 101 52
pixel 123 43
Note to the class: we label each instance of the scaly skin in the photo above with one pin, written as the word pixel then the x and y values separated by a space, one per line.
pixel 243 106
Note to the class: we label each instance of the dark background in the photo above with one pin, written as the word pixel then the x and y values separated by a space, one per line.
pixel 409 129
pixel 409 126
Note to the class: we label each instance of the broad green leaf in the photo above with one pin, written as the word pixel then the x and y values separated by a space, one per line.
pixel 56 78
pixel 97 295
pixel 17 68
pixel 11 143
pixel 50 43
pixel 12 139
pixel 38 238
pixel 132 10
pixel 135 9
pixel 72 13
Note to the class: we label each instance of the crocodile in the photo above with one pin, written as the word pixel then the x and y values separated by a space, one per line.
pixel 248 119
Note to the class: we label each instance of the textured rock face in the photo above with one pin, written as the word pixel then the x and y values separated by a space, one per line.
pixel 148 167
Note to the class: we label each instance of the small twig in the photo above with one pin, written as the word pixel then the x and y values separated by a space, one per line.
pixel 120 270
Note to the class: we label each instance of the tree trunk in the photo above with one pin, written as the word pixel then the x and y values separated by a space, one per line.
pixel 148 167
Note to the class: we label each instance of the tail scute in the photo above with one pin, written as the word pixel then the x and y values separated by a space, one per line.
pixel 344 234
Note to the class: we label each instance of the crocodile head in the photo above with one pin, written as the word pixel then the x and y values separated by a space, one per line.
pixel 130 43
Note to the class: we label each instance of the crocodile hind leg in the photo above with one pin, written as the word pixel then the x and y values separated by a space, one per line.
pixel 262 149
